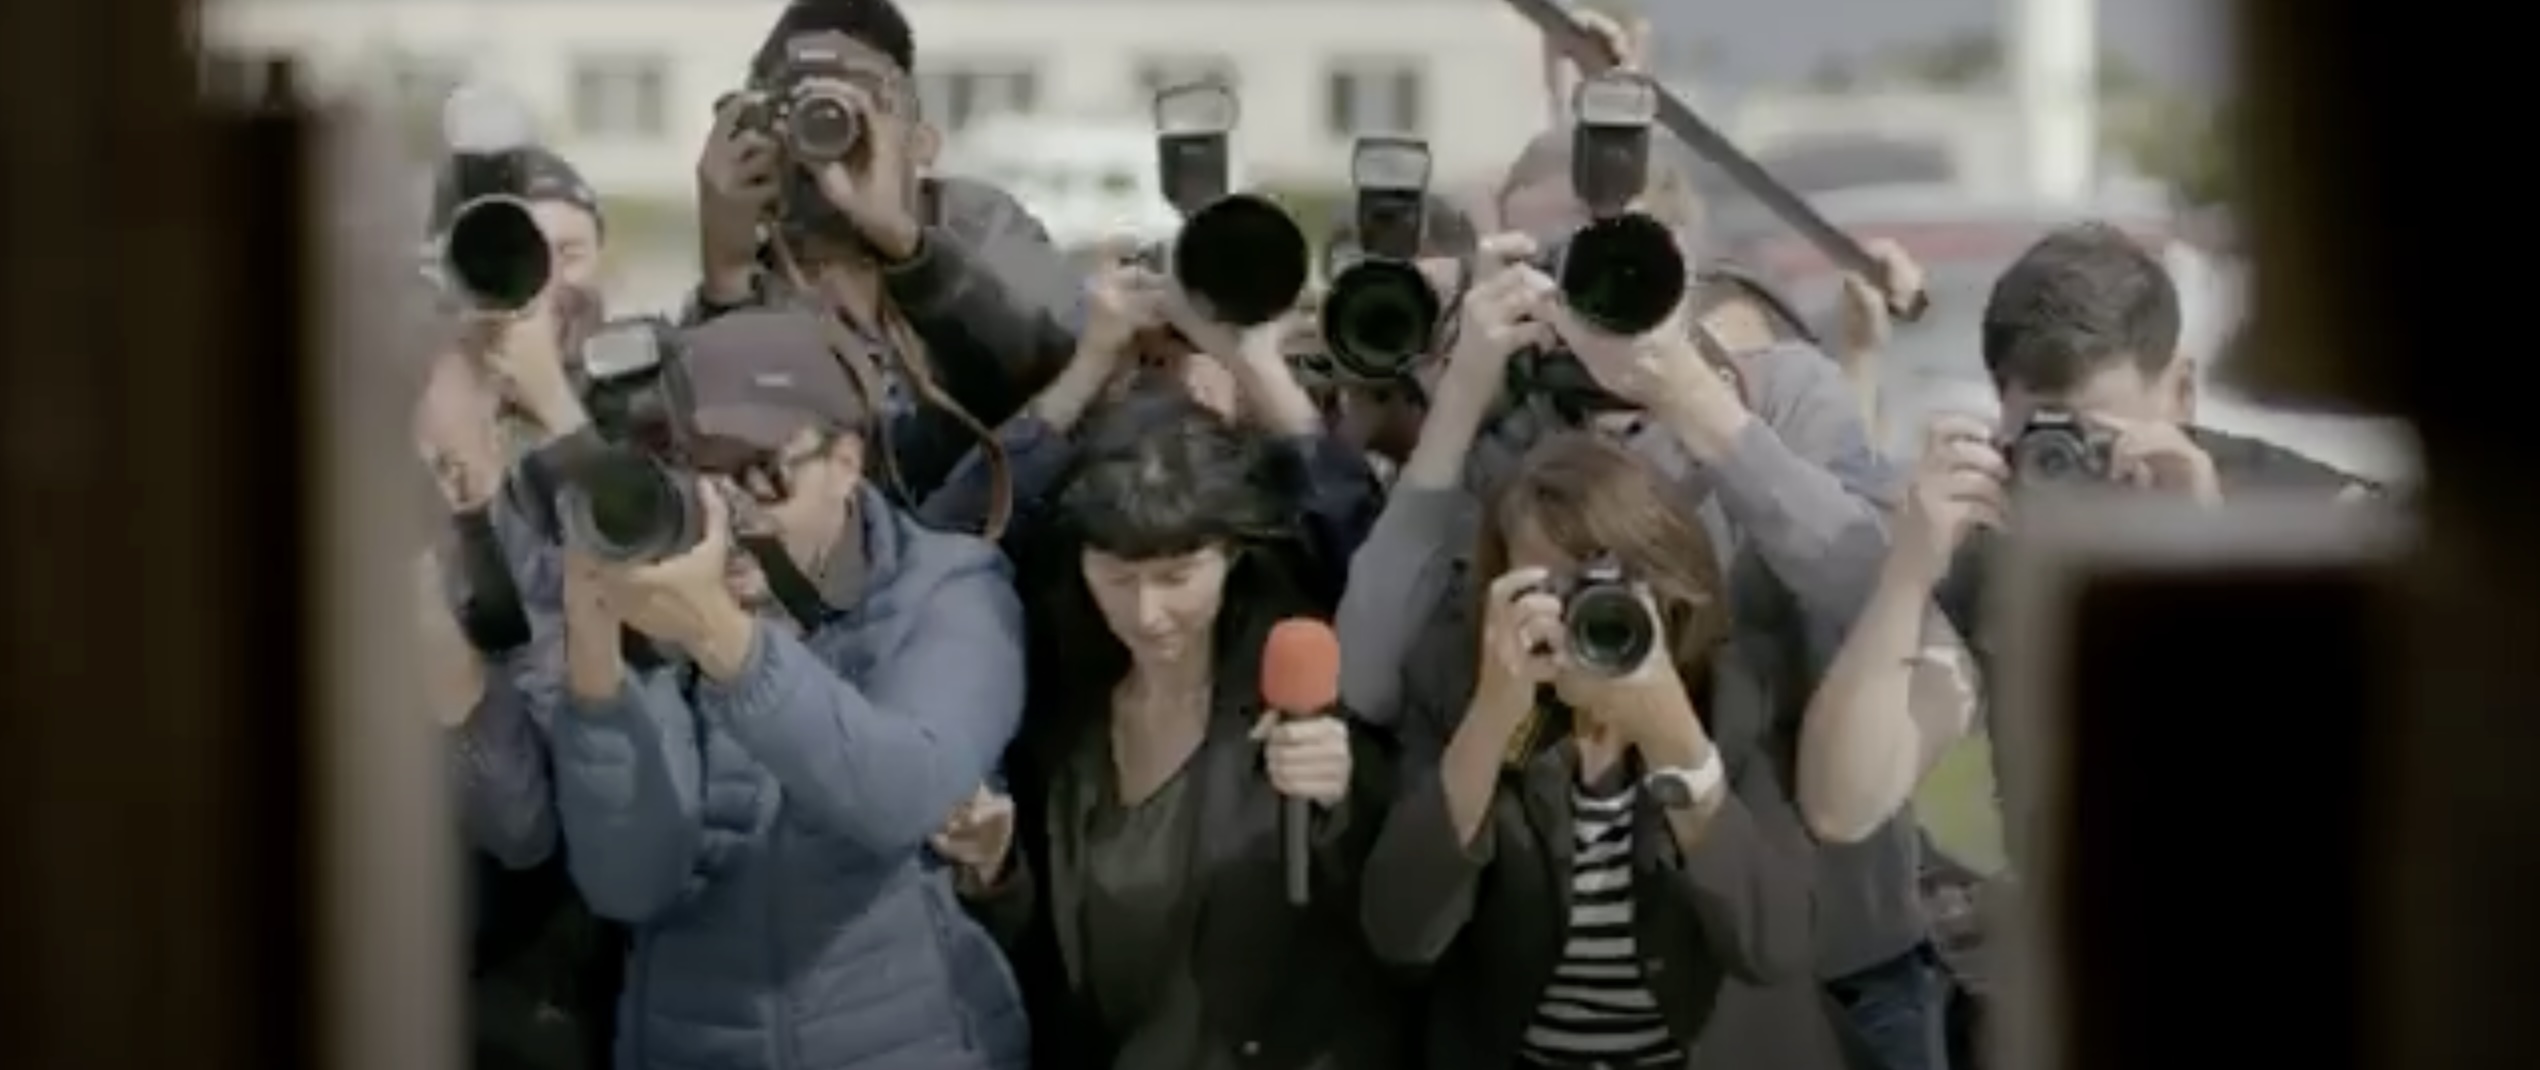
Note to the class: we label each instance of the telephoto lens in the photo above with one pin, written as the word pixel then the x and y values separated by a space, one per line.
pixel 1611 630
pixel 621 505
pixel 1242 260
pixel 1379 317
pixel 1623 275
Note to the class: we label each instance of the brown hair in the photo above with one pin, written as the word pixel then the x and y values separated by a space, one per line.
pixel 1586 495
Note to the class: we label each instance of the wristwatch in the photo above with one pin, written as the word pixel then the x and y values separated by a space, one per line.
pixel 1679 788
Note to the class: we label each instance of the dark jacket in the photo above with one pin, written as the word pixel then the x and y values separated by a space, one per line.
pixel 1282 986
pixel 998 307
pixel 1726 935
pixel 765 837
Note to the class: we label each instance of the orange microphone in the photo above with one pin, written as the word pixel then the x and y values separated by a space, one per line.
pixel 1300 677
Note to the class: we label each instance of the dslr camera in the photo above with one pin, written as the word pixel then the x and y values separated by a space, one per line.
pixel 1622 273
pixel 491 256
pixel 803 107
pixel 1610 627
pixel 2058 446
pixel 622 489
pixel 1238 258
pixel 1381 314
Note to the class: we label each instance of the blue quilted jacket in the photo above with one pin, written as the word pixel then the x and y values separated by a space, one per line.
pixel 765 837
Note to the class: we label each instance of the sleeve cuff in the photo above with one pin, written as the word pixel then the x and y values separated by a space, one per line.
pixel 932 277
pixel 759 687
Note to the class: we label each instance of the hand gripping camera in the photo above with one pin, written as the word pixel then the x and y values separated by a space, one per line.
pixel 803 107
pixel 1239 258
pixel 2057 446
pixel 622 489
pixel 1622 273
pixel 1610 627
pixel 1381 313
pixel 492 256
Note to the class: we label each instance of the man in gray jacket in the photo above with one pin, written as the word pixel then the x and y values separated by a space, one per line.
pixel 758 810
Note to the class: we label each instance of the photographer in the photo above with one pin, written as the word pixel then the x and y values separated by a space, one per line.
pixel 1382 420
pixel 771 789
pixel 1596 858
pixel 1139 330
pixel 949 285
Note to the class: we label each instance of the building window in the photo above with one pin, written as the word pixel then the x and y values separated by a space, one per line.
pixel 1173 72
pixel 1375 96
pixel 957 94
pixel 621 97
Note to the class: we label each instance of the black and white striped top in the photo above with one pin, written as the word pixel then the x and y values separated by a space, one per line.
pixel 1598 1012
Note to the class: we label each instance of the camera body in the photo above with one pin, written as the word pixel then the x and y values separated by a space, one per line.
pixel 2058 446
pixel 1611 629
pixel 1382 314
pixel 803 107
pixel 1238 258
pixel 622 489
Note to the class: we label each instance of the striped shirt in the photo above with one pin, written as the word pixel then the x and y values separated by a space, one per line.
pixel 1598 1012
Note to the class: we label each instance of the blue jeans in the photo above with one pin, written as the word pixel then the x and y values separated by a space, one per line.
pixel 1895 1008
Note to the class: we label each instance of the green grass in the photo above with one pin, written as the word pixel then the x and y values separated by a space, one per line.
pixel 1956 805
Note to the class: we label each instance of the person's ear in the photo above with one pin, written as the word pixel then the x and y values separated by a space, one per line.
pixel 848 452
pixel 924 142
pixel 2182 389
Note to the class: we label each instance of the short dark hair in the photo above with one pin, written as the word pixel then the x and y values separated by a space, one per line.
pixel 877 23
pixel 2082 298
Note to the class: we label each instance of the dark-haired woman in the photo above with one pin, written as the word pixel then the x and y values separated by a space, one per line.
pixel 1596 853
pixel 1164 938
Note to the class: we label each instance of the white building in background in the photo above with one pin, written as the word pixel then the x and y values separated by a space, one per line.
pixel 624 87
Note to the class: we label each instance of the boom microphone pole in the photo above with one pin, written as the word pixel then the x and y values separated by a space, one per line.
pixel 1594 56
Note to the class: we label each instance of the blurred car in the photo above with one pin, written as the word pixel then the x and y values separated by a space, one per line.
pixel 1936 365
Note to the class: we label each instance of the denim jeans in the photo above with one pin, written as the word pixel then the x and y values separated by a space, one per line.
pixel 1895 1009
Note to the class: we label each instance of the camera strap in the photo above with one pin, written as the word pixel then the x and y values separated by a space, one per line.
pixel 793 591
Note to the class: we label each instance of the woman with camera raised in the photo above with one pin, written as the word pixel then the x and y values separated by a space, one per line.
pixel 1595 854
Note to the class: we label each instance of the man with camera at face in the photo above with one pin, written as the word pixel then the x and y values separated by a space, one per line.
pixel 812 186
pixel 778 686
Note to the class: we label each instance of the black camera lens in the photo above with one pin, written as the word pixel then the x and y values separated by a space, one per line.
pixel 1380 316
pixel 1243 258
pixel 620 504
pixel 823 126
pixel 495 255
pixel 2058 448
pixel 1623 275
pixel 1610 629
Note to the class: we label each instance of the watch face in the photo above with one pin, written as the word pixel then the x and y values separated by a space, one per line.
pixel 1671 790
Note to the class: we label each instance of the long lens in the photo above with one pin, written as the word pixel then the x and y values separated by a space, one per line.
pixel 1623 275
pixel 619 504
pixel 1380 316
pixel 1243 258
pixel 495 255
pixel 1609 628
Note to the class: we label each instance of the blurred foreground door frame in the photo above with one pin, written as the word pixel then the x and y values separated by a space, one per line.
pixel 223 825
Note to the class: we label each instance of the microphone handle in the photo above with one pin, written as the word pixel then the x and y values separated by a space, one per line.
pixel 1295 823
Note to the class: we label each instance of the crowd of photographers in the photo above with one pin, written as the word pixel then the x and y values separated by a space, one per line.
pixel 1512 654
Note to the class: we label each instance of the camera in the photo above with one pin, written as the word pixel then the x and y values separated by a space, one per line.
pixel 492 255
pixel 1381 313
pixel 1622 273
pixel 622 490
pixel 804 107
pixel 2058 446
pixel 1239 258
pixel 1610 627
